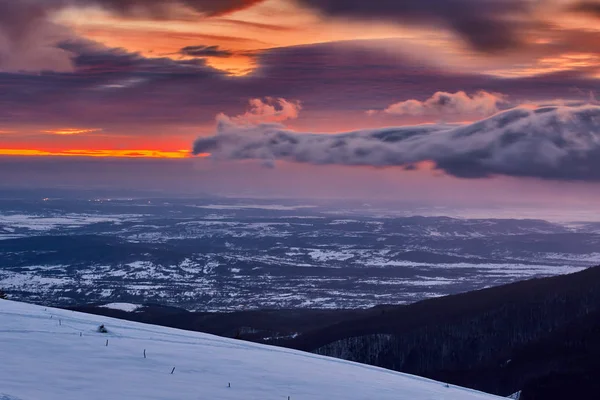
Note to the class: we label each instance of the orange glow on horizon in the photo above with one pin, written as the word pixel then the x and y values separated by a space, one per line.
pixel 129 153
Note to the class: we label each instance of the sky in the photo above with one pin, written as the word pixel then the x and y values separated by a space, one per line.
pixel 438 101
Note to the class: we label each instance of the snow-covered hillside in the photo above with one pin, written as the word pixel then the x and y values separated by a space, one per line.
pixel 53 354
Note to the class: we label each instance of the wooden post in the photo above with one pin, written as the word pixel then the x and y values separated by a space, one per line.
pixel 173 370
pixel 106 342
pixel 144 353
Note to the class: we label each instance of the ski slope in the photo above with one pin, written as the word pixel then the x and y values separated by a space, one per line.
pixel 53 354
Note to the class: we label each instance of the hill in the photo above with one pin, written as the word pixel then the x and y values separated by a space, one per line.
pixel 539 336
pixel 60 355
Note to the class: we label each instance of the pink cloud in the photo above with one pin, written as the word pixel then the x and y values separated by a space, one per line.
pixel 481 103
pixel 267 110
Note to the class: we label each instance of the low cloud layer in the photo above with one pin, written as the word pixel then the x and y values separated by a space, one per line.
pixel 558 143
pixel 450 104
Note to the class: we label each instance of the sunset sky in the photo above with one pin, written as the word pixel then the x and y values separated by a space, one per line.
pixel 265 93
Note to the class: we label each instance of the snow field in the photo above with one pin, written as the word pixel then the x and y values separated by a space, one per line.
pixel 52 354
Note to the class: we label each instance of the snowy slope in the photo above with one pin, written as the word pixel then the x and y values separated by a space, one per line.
pixel 56 354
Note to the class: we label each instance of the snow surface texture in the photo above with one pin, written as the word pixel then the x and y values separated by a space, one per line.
pixel 59 355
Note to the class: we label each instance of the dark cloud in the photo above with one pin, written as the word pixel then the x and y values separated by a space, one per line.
pixel 164 8
pixel 333 81
pixel 559 143
pixel 205 51
pixel 587 7
pixel 487 25
pixel 94 59
pixel 105 81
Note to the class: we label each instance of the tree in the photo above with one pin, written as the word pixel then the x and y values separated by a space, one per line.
pixel 3 295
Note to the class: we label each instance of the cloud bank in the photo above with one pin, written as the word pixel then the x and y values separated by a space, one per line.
pixel 558 143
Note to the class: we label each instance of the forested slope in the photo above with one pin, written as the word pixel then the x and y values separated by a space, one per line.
pixel 500 340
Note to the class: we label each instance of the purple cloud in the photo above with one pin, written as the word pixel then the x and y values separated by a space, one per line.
pixel 163 8
pixel 155 92
pixel 586 7
pixel 487 25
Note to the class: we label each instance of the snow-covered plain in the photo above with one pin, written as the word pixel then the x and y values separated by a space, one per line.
pixel 234 254
pixel 51 354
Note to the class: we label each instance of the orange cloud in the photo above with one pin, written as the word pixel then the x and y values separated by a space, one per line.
pixel 245 33
pixel 554 63
pixel 71 131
